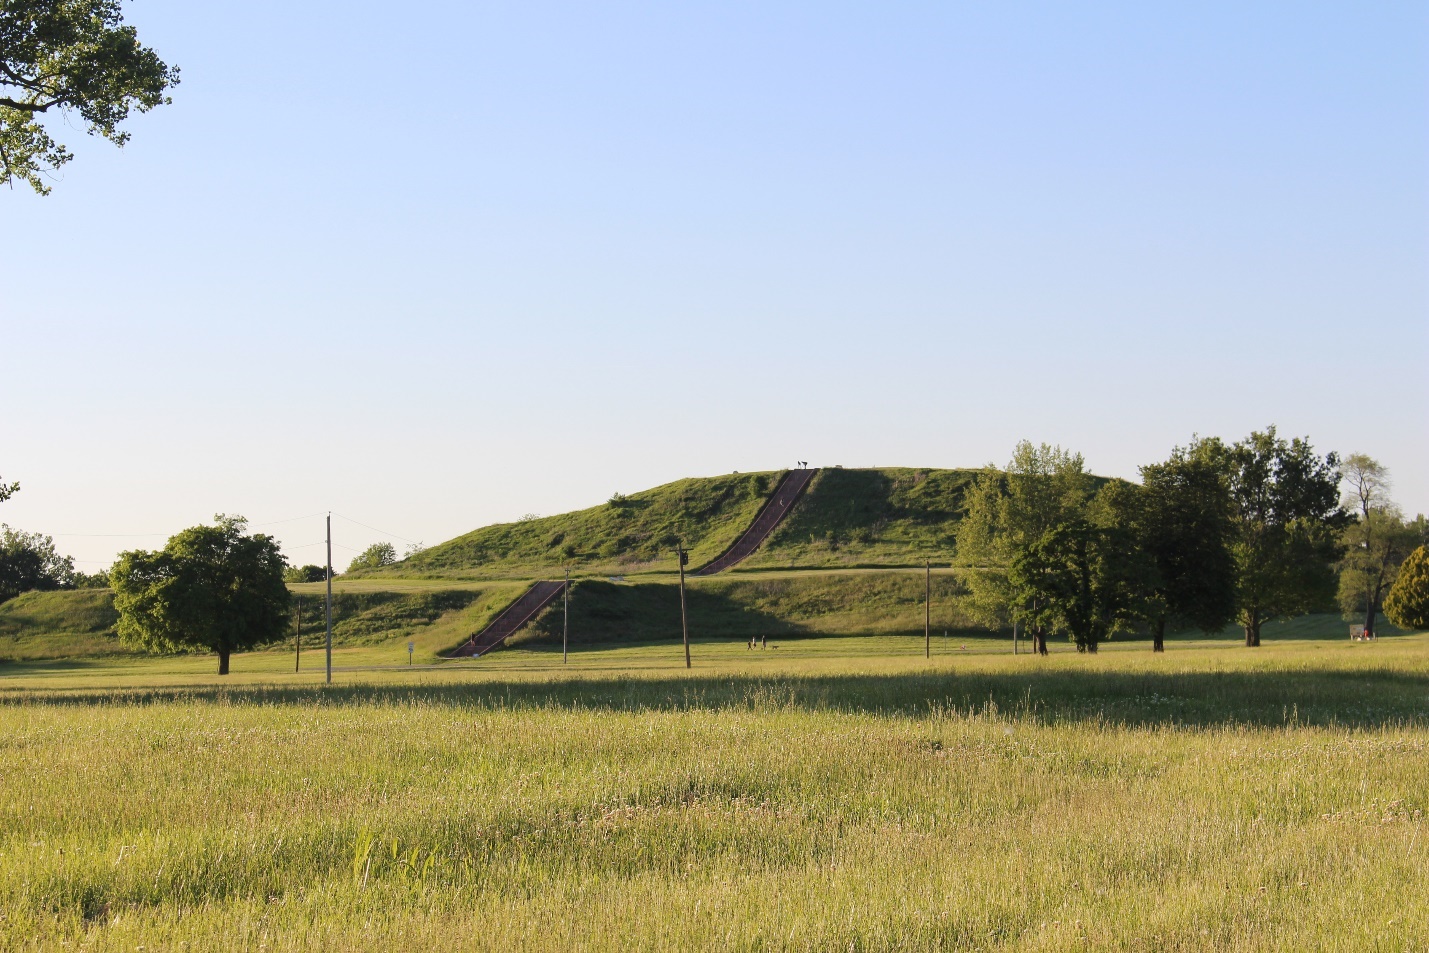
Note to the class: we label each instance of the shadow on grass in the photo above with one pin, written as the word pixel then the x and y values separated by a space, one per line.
pixel 1327 697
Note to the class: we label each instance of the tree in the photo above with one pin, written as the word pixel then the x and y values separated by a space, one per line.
pixel 69 56
pixel 1181 524
pixel 1081 577
pixel 1375 544
pixel 308 573
pixel 1407 604
pixel 210 587
pixel 1005 513
pixel 1286 522
pixel 8 490
pixel 374 557
pixel 29 561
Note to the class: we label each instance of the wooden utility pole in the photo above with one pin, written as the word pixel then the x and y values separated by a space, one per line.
pixel 565 614
pixel 329 598
pixel 298 635
pixel 927 609
pixel 684 623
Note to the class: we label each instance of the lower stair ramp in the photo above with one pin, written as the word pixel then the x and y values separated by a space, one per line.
pixel 511 619
pixel 770 515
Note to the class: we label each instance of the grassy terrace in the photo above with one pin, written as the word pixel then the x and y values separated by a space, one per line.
pixel 831 793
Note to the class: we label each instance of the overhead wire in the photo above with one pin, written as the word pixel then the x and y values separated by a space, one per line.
pixel 376 530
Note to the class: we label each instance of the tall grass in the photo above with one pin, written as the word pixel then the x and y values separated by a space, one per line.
pixel 1208 799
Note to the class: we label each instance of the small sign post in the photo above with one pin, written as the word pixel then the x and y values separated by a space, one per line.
pixel 410 647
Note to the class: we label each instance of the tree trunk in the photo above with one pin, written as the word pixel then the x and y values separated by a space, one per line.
pixel 1158 640
pixel 1039 641
pixel 223 661
pixel 1092 646
pixel 1371 608
pixel 1252 634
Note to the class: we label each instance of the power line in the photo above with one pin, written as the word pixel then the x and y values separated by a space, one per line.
pixel 291 519
pixel 376 530
pixel 107 535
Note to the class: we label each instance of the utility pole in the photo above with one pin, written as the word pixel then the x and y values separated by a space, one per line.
pixel 565 614
pixel 298 636
pixel 684 623
pixel 927 609
pixel 329 598
pixel 1014 636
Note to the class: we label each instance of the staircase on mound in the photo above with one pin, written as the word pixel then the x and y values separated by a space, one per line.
pixel 511 619
pixel 770 515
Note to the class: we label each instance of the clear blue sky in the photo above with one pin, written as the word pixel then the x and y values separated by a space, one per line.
pixel 438 265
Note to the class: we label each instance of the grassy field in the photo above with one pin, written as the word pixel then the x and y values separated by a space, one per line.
pixel 829 794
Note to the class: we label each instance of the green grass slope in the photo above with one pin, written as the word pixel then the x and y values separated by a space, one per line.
pixel 80 623
pixel 64 624
pixel 812 605
pixel 876 517
pixel 636 534
pixel 725 607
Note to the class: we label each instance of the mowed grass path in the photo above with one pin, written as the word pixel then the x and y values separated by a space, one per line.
pixel 838 794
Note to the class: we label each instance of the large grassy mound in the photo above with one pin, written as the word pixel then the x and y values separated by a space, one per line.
pixel 874 518
pixel 631 534
pixel 64 624
pixel 879 517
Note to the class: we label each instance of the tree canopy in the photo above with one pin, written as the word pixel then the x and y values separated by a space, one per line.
pixel 1375 543
pixel 29 561
pixel 1079 577
pixel 1181 524
pixel 374 557
pixel 1407 604
pixel 1005 513
pixel 1286 521
pixel 69 57
pixel 210 587
pixel 308 573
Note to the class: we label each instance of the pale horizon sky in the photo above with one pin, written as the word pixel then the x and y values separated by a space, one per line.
pixel 439 269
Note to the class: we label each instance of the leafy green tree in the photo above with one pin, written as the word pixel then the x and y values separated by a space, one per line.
pixel 374 557
pixel 1006 512
pixel 69 57
pixel 1407 604
pixel 1181 526
pixel 8 490
pixel 1286 522
pixel 1083 577
pixel 89 580
pixel 308 573
pixel 210 587
pixel 1375 544
pixel 29 561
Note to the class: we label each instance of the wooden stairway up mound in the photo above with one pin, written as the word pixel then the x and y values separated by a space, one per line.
pixel 773 512
pixel 511 619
